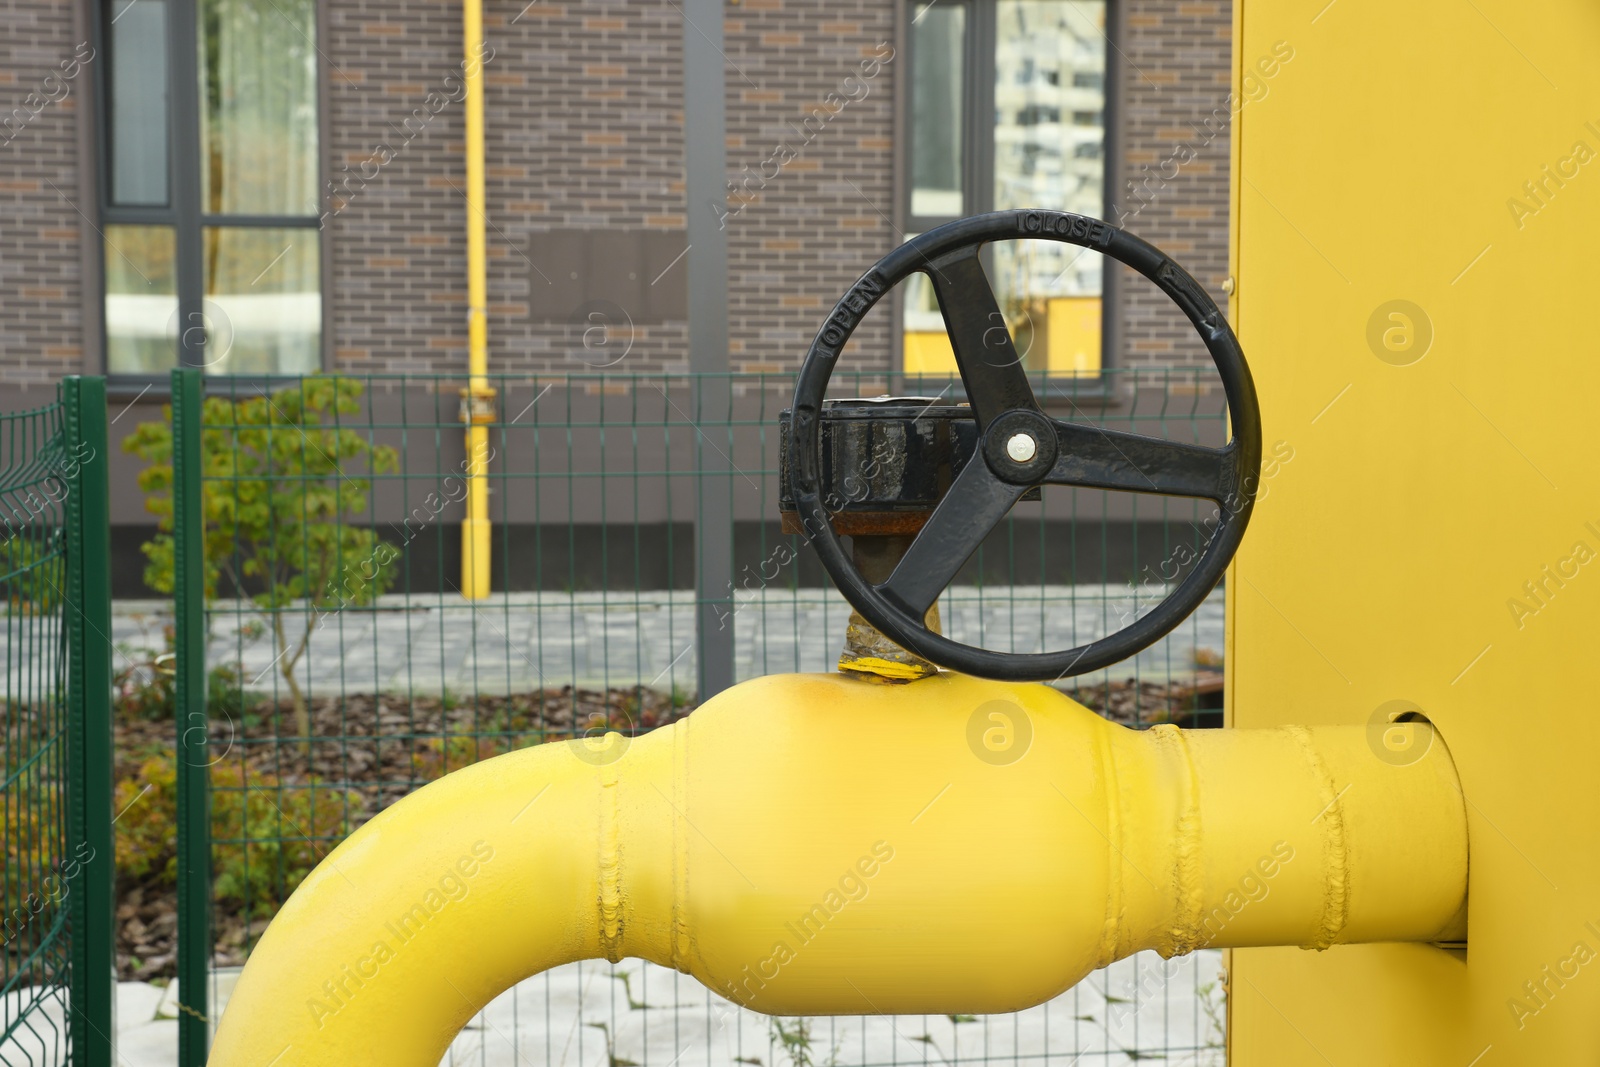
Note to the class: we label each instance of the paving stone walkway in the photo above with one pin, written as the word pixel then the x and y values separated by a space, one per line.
pixel 523 641
pixel 597 1014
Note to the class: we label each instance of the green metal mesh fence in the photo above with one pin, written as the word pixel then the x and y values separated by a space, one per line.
pixel 36 752
pixel 345 669
pixel 55 971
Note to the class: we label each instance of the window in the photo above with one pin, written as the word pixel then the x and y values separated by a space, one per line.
pixel 1036 70
pixel 937 108
pixel 211 186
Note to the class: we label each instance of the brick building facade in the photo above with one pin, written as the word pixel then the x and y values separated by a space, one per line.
pixel 585 133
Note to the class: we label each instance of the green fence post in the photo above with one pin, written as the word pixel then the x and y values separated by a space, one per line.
pixel 189 616
pixel 90 867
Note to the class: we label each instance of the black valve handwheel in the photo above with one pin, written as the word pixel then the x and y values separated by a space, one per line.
pixel 1021 447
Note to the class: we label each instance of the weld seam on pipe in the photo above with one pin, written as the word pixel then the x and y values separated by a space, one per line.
pixel 610 861
pixel 1116 858
pixel 680 936
pixel 1188 857
pixel 1335 846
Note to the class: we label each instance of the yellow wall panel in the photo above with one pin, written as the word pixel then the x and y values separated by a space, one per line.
pixel 1073 336
pixel 1416 212
pixel 928 352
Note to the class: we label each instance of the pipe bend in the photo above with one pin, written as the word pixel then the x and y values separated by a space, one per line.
pixel 818 844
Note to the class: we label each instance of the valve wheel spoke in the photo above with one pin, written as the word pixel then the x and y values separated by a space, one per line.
pixel 973 506
pixel 991 369
pixel 1098 458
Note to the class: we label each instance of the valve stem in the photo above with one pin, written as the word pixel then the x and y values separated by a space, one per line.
pixel 867 650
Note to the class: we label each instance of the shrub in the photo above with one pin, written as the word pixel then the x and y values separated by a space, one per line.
pixel 33 813
pixel 38 870
pixel 278 486
pixel 266 834
pixel 146 831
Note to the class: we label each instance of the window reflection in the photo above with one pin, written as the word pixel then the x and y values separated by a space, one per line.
pixel 136 38
pixel 925 347
pixel 1050 152
pixel 263 301
pixel 936 108
pixel 1049 100
pixel 1047 150
pixel 1050 295
pixel 141 299
pixel 258 113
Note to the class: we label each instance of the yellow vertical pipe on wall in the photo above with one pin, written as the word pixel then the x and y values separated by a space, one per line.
pixel 477 407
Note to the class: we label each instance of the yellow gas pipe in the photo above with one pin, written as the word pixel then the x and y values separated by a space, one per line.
pixel 822 844
pixel 477 400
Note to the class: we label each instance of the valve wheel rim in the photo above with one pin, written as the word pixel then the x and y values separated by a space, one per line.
pixel 1004 405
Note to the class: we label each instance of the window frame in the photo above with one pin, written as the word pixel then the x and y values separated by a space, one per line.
pixel 978 161
pixel 183 212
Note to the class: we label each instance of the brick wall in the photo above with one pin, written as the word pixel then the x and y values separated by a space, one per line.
pixel 810 153
pixel 1173 190
pixel 396 226
pixel 44 69
pixel 584 133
